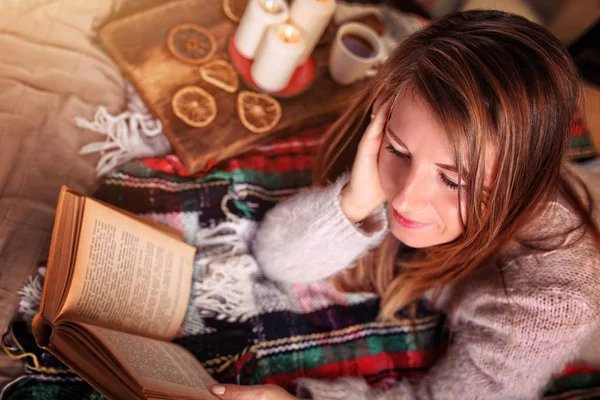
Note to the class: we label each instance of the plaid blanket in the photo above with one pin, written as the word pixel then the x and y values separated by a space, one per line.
pixel 243 328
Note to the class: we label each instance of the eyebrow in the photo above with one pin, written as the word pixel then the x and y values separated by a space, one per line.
pixel 390 132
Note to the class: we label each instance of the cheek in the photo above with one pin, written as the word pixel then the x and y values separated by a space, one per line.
pixel 463 211
pixel 448 209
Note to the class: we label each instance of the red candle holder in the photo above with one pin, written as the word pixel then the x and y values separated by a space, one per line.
pixel 301 80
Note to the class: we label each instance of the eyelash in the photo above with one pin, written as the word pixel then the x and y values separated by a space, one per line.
pixel 452 185
pixel 448 182
pixel 395 152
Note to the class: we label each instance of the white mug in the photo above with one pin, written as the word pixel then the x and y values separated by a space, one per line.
pixel 347 65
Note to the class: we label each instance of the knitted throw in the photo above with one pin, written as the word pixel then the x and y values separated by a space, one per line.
pixel 243 328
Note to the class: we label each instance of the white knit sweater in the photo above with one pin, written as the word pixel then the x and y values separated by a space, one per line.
pixel 503 347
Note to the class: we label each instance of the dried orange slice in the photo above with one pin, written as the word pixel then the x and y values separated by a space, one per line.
pixel 234 9
pixel 258 112
pixel 191 43
pixel 221 74
pixel 195 106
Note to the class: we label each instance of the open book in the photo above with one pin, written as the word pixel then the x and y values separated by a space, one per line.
pixel 115 293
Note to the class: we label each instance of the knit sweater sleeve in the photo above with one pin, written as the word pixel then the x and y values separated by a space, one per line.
pixel 308 237
pixel 504 347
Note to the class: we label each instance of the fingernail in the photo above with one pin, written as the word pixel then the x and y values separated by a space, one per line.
pixel 218 390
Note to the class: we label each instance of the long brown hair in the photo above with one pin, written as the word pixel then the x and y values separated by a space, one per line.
pixel 491 78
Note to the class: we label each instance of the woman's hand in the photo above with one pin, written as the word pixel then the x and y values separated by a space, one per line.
pixel 363 193
pixel 258 392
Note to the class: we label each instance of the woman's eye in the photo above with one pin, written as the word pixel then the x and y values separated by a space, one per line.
pixel 395 152
pixel 451 184
pixel 447 181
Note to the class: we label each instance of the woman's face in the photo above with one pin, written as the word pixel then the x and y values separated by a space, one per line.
pixel 419 177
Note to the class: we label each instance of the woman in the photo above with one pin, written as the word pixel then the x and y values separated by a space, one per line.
pixel 465 157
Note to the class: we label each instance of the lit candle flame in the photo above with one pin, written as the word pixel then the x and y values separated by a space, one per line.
pixel 269 4
pixel 289 32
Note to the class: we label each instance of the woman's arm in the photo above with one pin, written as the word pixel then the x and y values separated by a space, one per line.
pixel 323 230
pixel 308 237
pixel 504 347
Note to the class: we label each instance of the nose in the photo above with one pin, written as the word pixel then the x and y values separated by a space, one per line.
pixel 413 194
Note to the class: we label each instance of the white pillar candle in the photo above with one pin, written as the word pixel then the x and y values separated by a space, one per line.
pixel 312 17
pixel 277 57
pixel 259 15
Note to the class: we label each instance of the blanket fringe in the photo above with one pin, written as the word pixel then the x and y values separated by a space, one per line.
pixel 129 135
pixel 31 295
pixel 224 289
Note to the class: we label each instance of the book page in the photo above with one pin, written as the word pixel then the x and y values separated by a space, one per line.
pixel 160 367
pixel 128 276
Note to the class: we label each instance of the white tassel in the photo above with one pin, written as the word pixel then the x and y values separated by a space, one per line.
pixel 124 135
pixel 224 289
pixel 31 295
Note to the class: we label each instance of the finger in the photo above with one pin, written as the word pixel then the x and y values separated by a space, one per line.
pixel 376 106
pixel 258 392
pixel 377 124
pixel 368 148
pixel 232 392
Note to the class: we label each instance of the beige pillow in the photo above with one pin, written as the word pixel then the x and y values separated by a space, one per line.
pixel 519 7
pixel 50 72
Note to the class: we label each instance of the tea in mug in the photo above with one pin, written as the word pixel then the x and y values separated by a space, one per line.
pixel 358 45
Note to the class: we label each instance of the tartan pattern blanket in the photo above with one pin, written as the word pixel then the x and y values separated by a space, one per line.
pixel 243 328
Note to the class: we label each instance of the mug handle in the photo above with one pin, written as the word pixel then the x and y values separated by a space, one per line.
pixel 371 72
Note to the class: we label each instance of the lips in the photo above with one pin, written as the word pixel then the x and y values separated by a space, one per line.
pixel 408 223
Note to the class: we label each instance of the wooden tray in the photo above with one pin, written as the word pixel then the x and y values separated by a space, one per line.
pixel 137 43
